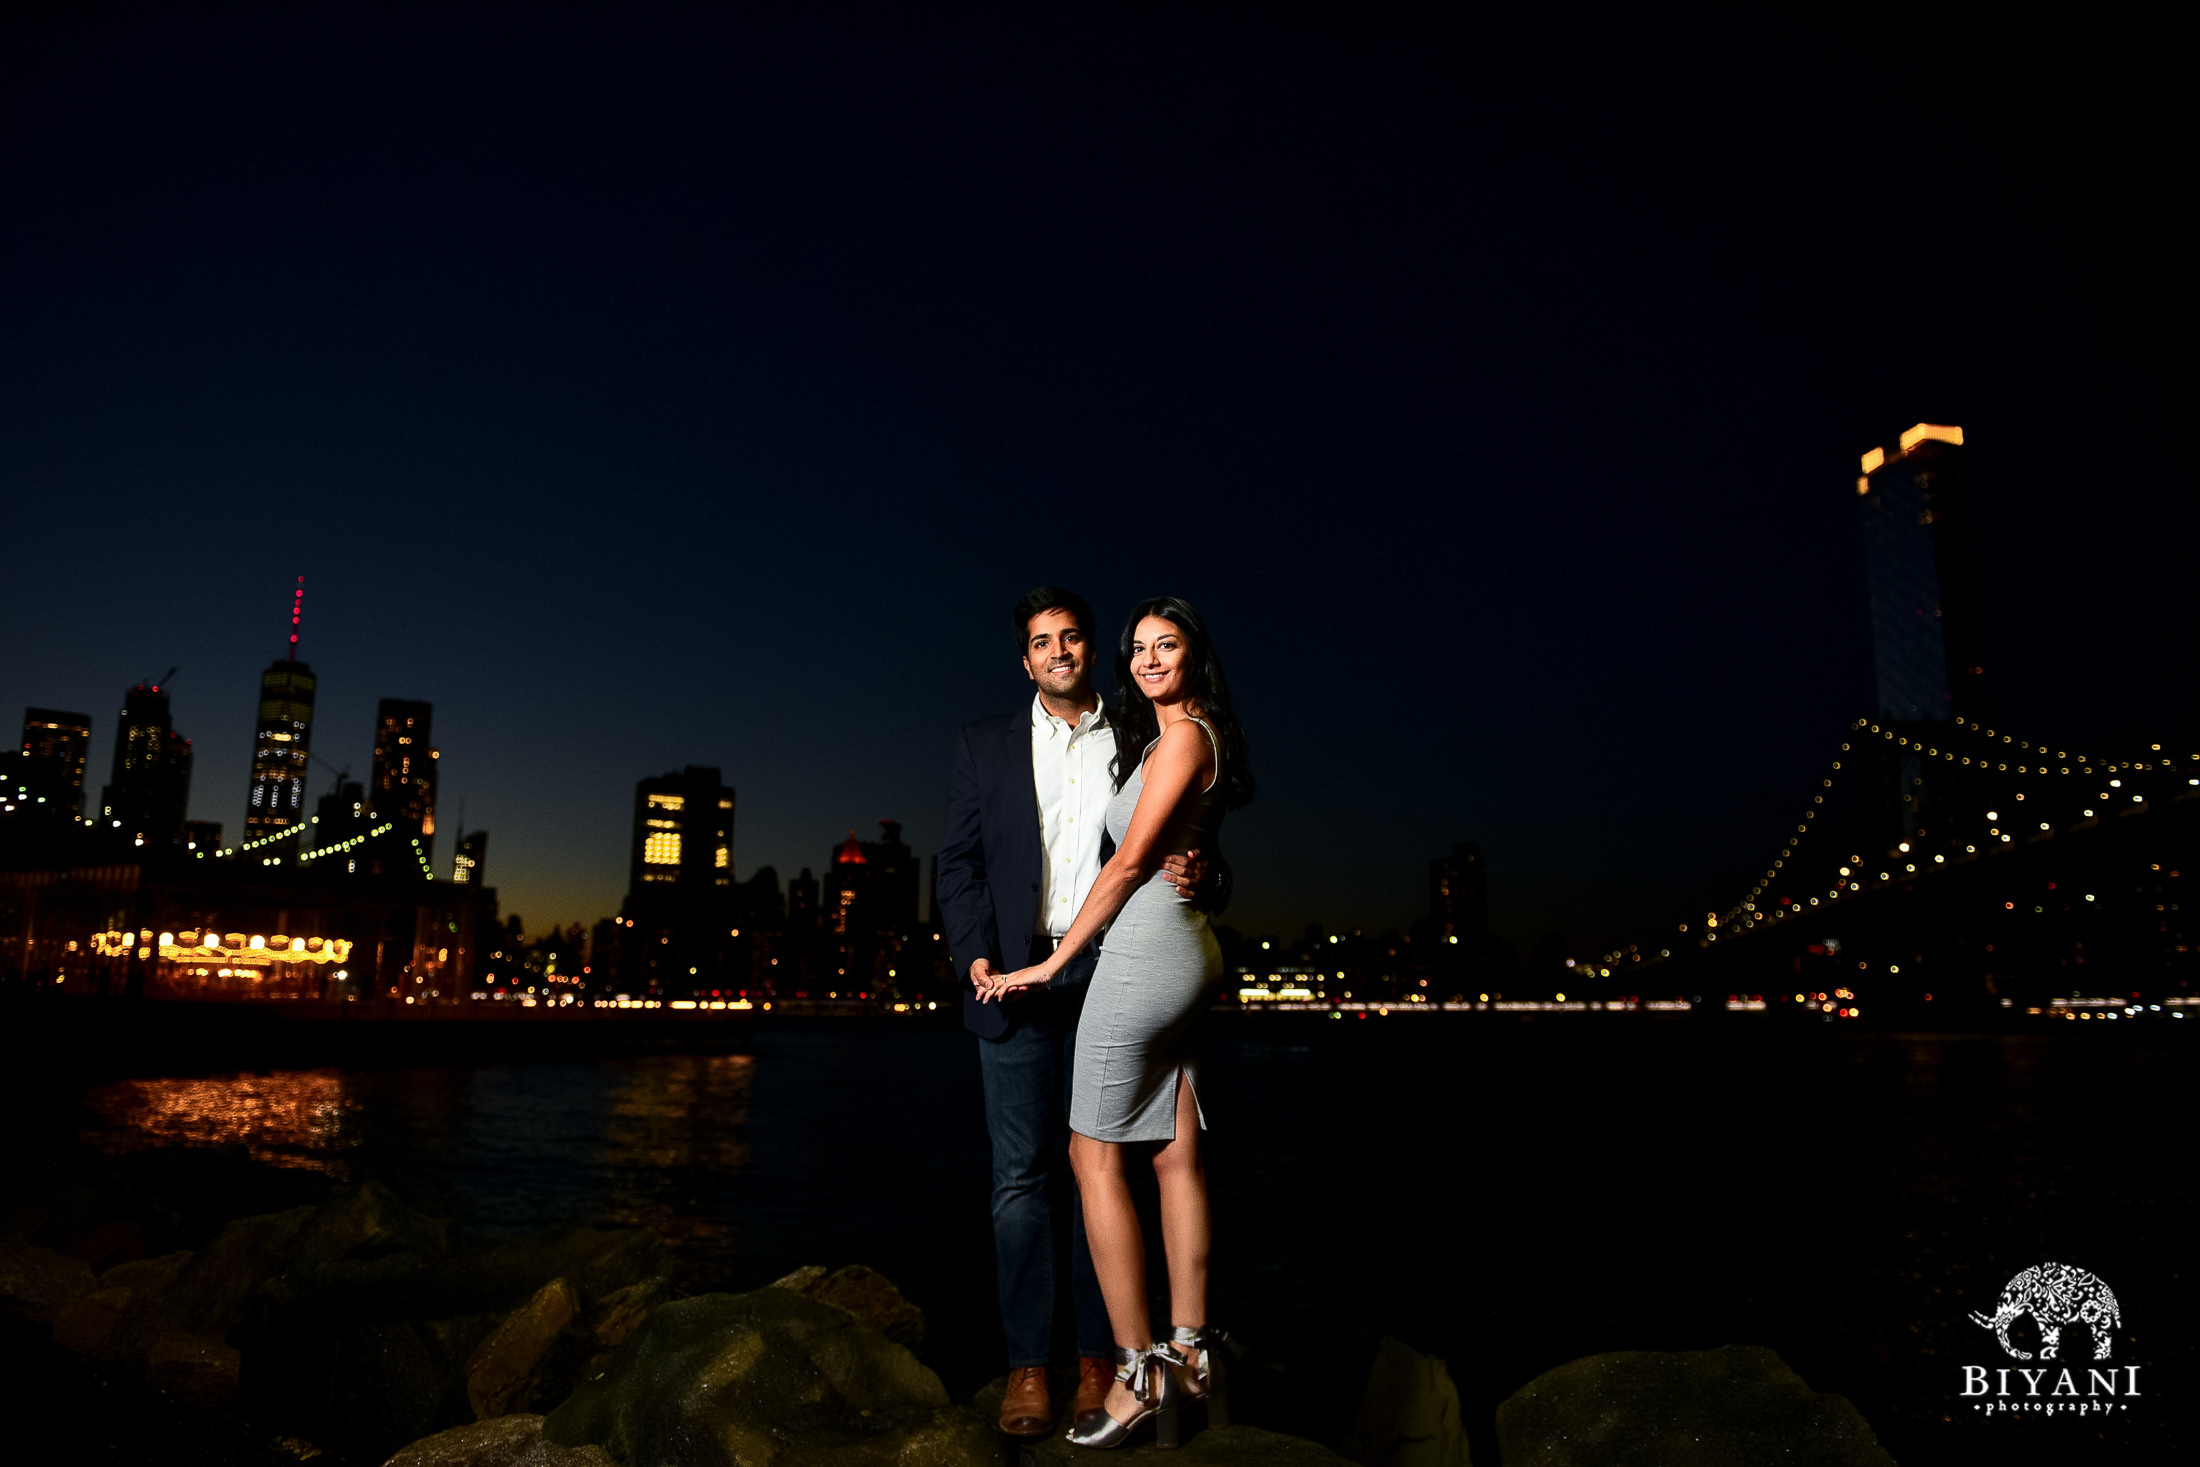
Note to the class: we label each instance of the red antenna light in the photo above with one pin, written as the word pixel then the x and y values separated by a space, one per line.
pixel 297 612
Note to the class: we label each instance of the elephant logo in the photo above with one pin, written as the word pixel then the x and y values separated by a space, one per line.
pixel 2055 1295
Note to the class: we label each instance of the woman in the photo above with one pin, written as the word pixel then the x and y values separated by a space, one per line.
pixel 1180 762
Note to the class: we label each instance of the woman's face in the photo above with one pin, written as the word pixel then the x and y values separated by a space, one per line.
pixel 1158 659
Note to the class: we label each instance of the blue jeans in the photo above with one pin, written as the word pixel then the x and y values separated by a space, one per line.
pixel 1027 1072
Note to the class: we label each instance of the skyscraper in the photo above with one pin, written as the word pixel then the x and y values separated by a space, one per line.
pixel 680 894
pixel 341 813
pixel 1921 569
pixel 151 785
pixel 1459 897
pixel 282 740
pixel 683 832
pixel 846 876
pixel 870 886
pixel 1928 627
pixel 404 784
pixel 56 748
pixel 892 869
pixel 469 861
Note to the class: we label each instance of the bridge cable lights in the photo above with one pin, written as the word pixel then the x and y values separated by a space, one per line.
pixel 341 846
pixel 1746 913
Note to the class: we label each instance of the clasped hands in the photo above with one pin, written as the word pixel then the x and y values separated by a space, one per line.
pixel 1187 873
pixel 1005 986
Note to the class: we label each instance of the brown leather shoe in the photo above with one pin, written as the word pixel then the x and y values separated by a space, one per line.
pixel 1093 1379
pixel 1025 1410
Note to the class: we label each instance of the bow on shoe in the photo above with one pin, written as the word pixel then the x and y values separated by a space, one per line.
pixel 1204 1339
pixel 1135 1368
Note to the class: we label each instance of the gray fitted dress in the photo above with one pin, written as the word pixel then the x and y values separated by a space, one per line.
pixel 1158 967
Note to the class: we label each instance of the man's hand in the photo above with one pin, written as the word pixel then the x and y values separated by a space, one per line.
pixel 1189 874
pixel 983 978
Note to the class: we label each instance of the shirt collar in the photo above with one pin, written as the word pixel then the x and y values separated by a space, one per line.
pixel 1046 724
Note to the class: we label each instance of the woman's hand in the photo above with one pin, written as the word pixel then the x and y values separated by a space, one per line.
pixel 999 985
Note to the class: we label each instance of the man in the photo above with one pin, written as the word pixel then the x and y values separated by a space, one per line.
pixel 1026 837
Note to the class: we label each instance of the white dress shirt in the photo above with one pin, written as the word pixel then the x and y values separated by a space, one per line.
pixel 1069 772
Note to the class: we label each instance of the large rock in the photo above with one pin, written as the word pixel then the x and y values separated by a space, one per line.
pixel 621 1312
pixel 864 1292
pixel 37 1283
pixel 211 1296
pixel 365 1252
pixel 390 1382
pixel 516 1366
pixel 504 1273
pixel 120 1319
pixel 200 1370
pixel 372 1347
pixel 508 1441
pixel 92 1324
pixel 368 1221
pixel 1409 1413
pixel 736 1380
pixel 1736 1406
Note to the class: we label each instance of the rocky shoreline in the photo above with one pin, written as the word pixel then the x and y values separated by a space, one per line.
pixel 359 1331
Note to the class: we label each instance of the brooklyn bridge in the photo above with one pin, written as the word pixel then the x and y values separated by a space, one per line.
pixel 1940 873
pixel 1944 863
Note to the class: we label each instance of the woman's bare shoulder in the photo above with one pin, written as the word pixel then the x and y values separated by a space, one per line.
pixel 1186 741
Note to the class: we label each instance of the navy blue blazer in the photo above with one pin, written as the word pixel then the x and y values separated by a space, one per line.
pixel 991 859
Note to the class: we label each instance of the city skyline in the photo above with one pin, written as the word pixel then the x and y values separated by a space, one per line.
pixel 1908 675
pixel 723 435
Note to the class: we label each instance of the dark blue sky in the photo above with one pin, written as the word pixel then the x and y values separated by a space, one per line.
pixel 647 389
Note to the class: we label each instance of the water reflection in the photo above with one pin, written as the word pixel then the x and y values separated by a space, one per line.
pixel 295 1118
pixel 676 1129
pixel 505 1149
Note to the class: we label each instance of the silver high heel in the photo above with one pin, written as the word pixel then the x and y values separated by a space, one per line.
pixel 1210 1382
pixel 1143 1371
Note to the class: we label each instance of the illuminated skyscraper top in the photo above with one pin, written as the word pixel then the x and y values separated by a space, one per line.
pixel 1921 567
pixel 282 739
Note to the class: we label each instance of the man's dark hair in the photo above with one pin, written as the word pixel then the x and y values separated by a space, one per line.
pixel 1049 598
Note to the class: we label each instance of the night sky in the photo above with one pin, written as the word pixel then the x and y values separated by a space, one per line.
pixel 645 388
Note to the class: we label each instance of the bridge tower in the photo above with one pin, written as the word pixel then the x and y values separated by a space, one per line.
pixel 1928 624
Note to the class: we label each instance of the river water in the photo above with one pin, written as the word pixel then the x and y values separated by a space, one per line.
pixel 1507 1196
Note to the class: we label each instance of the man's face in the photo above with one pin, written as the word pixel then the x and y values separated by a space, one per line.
pixel 1056 656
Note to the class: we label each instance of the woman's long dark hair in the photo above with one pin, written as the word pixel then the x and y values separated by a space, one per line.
pixel 1136 724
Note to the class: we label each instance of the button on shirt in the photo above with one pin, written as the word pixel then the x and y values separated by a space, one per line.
pixel 1069 771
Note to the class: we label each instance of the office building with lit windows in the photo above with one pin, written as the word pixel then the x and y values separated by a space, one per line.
pixel 151 785
pixel 282 745
pixel 56 748
pixel 680 916
pixel 683 832
pixel 470 861
pixel 404 779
